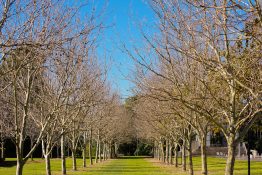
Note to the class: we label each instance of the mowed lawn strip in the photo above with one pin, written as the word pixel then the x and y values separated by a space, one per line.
pixel 121 166
pixel 130 166
pixel 216 166
pixel 37 167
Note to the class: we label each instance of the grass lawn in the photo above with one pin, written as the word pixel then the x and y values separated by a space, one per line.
pixel 37 167
pixel 216 166
pixel 129 166
pixel 125 165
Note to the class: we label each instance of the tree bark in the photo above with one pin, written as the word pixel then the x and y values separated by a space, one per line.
pixel 99 151
pixel 31 146
pixel 74 159
pixel 167 152
pixel 47 165
pixel 176 156
pixel 45 152
pixel 115 149
pixel 19 158
pixel 231 152
pixel 155 150
pixel 84 151
pixel 104 151
pixel 191 170
pixel 63 155
pixel 97 146
pixel 158 152
pixel 90 148
pixel 3 149
pixel 107 151
pixel 110 150
pixel 96 158
pixel 203 155
pixel 162 152
pixel 19 167
pixel 170 153
pixel 184 156
pixel 84 156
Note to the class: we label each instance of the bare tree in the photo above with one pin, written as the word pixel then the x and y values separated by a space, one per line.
pixel 30 33
pixel 201 49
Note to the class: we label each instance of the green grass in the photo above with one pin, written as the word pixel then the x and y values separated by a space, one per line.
pixel 216 166
pixel 125 165
pixel 129 166
pixel 37 167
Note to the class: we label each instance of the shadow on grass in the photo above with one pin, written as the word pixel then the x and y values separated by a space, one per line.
pixel 125 169
pixel 121 171
pixel 133 157
pixel 7 163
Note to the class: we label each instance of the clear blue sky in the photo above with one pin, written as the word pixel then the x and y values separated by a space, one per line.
pixel 122 16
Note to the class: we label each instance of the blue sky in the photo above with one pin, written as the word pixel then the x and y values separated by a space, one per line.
pixel 122 16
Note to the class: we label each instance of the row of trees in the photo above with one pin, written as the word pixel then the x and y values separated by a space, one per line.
pixel 200 70
pixel 54 89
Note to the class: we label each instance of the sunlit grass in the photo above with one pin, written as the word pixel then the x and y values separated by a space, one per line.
pixel 37 167
pixel 216 166
pixel 126 165
pixel 129 166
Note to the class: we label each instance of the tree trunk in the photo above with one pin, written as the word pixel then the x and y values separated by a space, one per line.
pixel 63 154
pixel 3 150
pixel 162 152
pixel 204 155
pixel 170 153
pixel 176 156
pixel 191 170
pixel 115 149
pixel 96 158
pixel 84 156
pixel 74 159
pixel 19 158
pixel 231 152
pixel 155 150
pixel 47 165
pixel 84 151
pixel 99 151
pixel 104 149
pixel 184 156
pixel 107 151
pixel 158 152
pixel 110 150
pixel 45 153
pixel 19 167
pixel 31 146
pixel 97 146
pixel 167 151
pixel 90 148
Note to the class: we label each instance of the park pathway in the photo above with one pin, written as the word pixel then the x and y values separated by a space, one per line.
pixel 129 166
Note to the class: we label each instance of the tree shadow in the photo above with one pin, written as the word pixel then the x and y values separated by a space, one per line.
pixel 133 157
pixel 9 163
